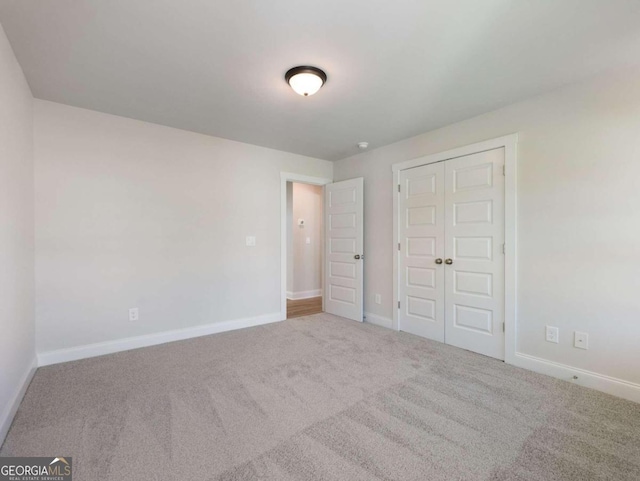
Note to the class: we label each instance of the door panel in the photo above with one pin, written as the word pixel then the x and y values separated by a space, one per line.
pixel 453 210
pixel 344 241
pixel 474 238
pixel 421 230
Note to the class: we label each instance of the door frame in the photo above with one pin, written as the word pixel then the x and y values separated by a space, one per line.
pixel 302 179
pixel 510 144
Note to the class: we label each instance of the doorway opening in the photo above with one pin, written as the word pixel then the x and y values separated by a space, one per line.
pixel 304 249
pixel 290 293
pixel 340 242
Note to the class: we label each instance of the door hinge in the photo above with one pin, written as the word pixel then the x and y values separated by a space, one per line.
pixel 399 245
pixel 398 304
pixel 398 187
pixel 503 327
pixel 504 170
pixel 504 248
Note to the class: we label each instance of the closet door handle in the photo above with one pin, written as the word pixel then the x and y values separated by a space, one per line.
pixel 438 261
pixel 449 262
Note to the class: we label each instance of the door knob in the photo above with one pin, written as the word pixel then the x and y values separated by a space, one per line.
pixel 449 261
pixel 438 261
pixel 357 256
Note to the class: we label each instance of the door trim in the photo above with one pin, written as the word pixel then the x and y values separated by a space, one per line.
pixel 509 143
pixel 302 179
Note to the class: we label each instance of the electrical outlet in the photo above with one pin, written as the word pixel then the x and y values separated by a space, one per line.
pixel 134 315
pixel 581 340
pixel 378 299
pixel 552 334
pixel 251 241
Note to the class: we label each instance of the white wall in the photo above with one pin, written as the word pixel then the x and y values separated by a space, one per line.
pixel 132 214
pixel 578 218
pixel 306 258
pixel 17 340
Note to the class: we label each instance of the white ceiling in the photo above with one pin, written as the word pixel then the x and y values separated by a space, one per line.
pixel 396 68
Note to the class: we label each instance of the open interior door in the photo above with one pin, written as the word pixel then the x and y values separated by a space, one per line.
pixel 344 258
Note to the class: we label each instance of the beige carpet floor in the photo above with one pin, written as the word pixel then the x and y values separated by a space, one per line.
pixel 321 398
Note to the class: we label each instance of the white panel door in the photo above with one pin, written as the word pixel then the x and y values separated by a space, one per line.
pixel 421 268
pixel 474 265
pixel 343 290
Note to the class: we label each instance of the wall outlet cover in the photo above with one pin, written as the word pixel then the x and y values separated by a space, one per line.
pixel 581 340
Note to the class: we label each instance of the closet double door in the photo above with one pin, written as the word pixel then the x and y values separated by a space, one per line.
pixel 451 252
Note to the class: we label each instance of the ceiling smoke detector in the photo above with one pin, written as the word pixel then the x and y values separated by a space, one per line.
pixel 363 145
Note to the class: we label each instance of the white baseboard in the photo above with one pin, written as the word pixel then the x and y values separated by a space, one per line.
pixel 600 382
pixel 10 410
pixel 126 344
pixel 378 320
pixel 294 296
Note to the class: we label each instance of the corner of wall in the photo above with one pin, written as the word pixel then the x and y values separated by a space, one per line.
pixel 10 410
pixel 17 251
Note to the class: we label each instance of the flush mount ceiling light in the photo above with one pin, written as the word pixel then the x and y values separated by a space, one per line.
pixel 305 80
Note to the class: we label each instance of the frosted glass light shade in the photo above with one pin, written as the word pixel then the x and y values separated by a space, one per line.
pixel 305 80
pixel 305 83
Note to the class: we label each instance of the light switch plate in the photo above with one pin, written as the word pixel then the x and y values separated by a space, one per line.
pixel 308 240
pixel 251 241
pixel 552 334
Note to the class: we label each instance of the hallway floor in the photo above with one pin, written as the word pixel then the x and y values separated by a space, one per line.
pixel 303 307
